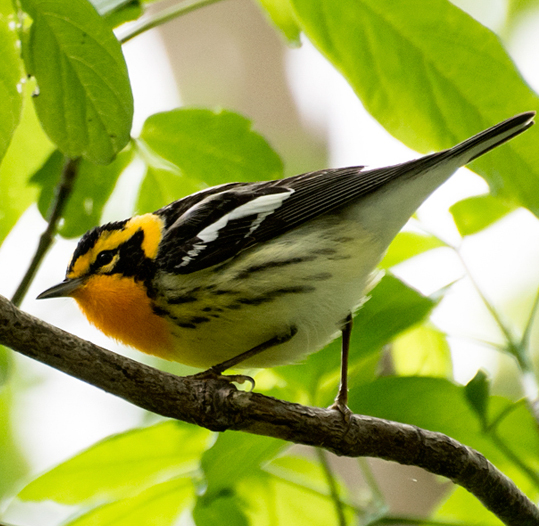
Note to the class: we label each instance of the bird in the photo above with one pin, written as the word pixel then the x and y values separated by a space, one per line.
pixel 259 274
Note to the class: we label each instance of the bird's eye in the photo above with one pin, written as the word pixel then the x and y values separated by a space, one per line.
pixel 104 258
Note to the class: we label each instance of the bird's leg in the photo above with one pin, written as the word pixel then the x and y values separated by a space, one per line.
pixel 217 370
pixel 341 400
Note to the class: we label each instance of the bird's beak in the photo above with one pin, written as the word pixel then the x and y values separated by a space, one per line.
pixel 66 288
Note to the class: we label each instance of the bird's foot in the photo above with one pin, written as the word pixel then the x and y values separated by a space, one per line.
pixel 341 405
pixel 216 374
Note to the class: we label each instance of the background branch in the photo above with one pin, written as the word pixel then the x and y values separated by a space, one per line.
pixel 63 191
pixel 217 405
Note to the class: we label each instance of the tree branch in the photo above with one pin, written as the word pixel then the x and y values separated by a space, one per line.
pixel 217 405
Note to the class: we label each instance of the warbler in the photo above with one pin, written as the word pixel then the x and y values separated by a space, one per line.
pixel 256 274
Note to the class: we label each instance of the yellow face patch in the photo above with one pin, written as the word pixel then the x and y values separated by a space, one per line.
pixel 150 224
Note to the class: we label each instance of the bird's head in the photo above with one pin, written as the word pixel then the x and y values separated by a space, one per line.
pixel 123 249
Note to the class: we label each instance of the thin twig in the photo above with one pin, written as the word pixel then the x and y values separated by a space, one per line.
pixel 525 341
pixel 332 485
pixel 378 505
pixel 496 317
pixel 518 350
pixel 63 191
pixel 166 15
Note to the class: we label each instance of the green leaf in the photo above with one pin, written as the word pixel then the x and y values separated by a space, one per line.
pixel 158 505
pixel 392 308
pixel 224 508
pixel 85 103
pixel 432 76
pixel 272 501
pixel 13 465
pixel 211 146
pixel 422 351
pixel 122 465
pixel 303 471
pixel 130 12
pixel 477 394
pixel 439 405
pixel 93 186
pixel 161 186
pixel 16 168
pixel 407 245
pixel 235 456
pixel 46 178
pixel 427 404
pixel 117 12
pixel 473 214
pixel 281 14
pixel 11 73
pixel 462 506
pixel 106 7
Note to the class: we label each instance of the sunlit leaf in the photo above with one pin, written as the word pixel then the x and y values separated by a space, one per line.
pixel 17 167
pixel 85 102
pixel 304 471
pixel 432 76
pixel 122 465
pixel 11 73
pixel 473 214
pixel 235 456
pixel 282 15
pixel 463 506
pixel 407 245
pixel 158 505
pixel 13 465
pixel 117 12
pixel 392 308
pixel 161 186
pixel 213 147
pixel 270 501
pixel 439 405
pixel 422 351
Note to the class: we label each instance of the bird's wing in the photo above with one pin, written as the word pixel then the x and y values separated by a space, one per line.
pixel 216 224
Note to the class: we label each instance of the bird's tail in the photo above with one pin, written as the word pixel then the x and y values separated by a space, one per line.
pixel 485 141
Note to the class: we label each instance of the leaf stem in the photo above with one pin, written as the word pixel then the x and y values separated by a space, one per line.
pixel 505 330
pixel 164 16
pixel 332 484
pixel 63 191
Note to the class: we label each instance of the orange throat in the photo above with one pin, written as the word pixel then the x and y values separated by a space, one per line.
pixel 120 307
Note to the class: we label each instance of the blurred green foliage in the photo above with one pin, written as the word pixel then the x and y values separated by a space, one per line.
pixel 427 72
